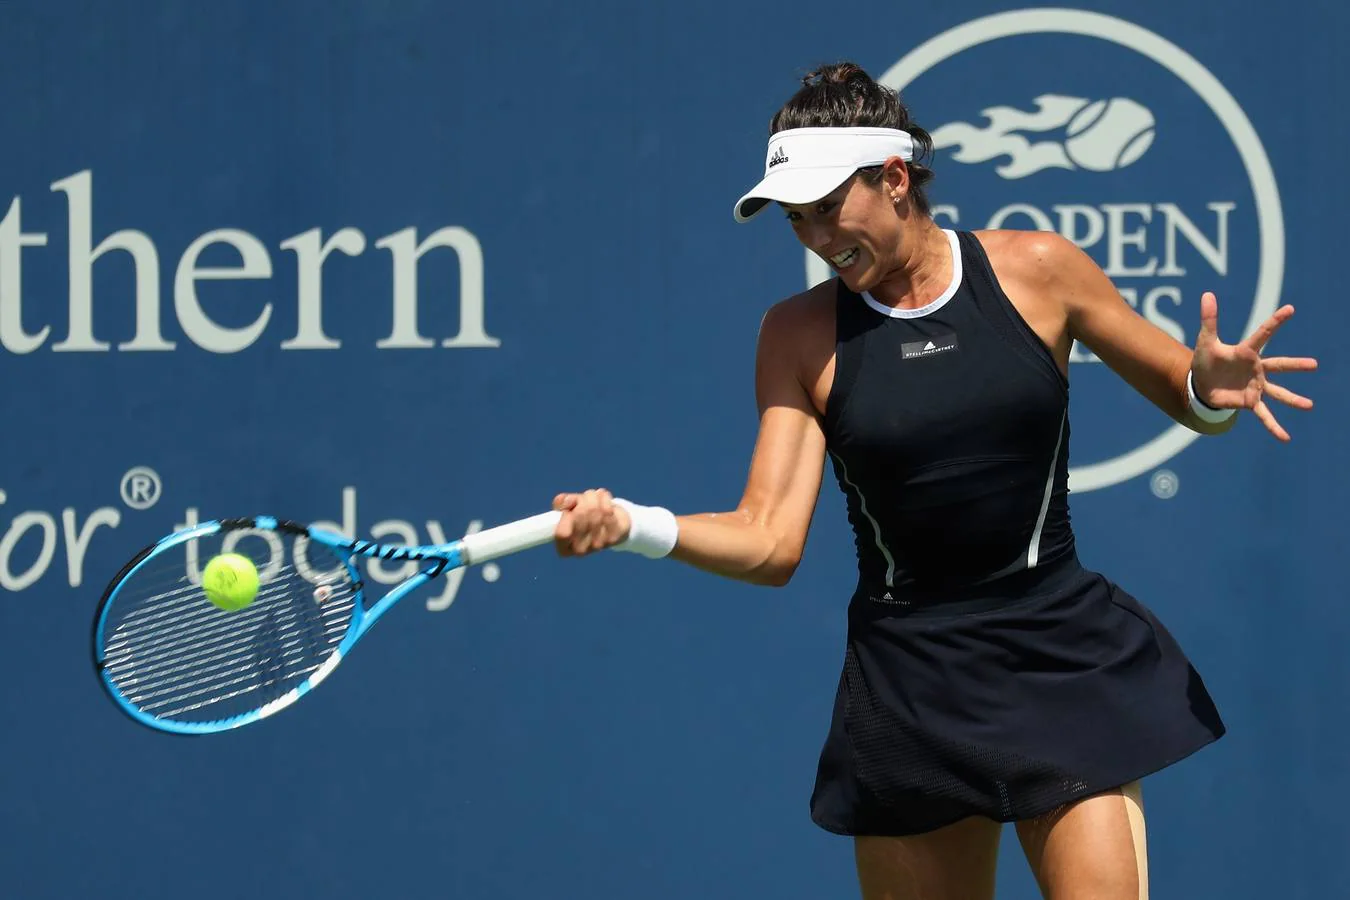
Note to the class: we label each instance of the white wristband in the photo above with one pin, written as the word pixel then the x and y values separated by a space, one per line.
pixel 653 531
pixel 1203 410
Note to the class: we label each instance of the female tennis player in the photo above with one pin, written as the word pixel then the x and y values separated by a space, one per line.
pixel 988 676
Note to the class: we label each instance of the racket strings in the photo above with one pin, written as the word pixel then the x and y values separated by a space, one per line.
pixel 173 654
pixel 266 654
pixel 198 659
pixel 168 626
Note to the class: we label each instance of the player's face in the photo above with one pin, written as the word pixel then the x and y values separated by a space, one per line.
pixel 853 228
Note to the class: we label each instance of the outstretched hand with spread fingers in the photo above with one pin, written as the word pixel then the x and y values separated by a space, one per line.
pixel 1234 376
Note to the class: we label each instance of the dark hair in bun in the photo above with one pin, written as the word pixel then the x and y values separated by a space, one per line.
pixel 840 95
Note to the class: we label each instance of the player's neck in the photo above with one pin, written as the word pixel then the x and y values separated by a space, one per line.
pixel 923 268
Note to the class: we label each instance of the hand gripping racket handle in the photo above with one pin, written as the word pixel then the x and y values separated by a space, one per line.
pixel 512 537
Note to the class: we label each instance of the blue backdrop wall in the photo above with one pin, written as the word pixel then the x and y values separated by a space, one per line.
pixel 411 268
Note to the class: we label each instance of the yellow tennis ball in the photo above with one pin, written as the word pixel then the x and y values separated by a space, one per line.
pixel 230 581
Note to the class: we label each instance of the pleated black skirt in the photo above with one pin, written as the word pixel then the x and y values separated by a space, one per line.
pixel 1005 707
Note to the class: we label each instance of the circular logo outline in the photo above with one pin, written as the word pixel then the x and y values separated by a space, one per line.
pixel 1260 175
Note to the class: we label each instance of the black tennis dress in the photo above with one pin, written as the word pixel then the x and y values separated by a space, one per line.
pixel 987 672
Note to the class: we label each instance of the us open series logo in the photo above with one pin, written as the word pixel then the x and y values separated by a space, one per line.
pixel 1171 192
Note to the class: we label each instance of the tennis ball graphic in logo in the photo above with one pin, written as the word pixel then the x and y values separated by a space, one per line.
pixel 230 581
pixel 1109 134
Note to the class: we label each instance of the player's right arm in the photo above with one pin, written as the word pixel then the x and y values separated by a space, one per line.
pixel 761 541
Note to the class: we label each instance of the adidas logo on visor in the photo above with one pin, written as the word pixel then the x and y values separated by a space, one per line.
pixel 778 158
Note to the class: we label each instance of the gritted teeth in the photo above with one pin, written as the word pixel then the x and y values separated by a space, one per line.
pixel 845 259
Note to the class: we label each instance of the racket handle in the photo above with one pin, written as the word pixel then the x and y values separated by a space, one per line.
pixel 512 537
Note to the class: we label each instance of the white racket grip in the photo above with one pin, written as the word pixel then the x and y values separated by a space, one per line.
pixel 512 537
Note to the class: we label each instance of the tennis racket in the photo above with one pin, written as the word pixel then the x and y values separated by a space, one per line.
pixel 174 661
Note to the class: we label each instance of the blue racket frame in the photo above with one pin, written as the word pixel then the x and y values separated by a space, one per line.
pixel 468 550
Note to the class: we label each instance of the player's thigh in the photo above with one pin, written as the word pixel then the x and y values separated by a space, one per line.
pixel 957 862
pixel 1092 848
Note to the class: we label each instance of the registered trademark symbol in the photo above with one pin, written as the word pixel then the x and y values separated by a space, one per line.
pixel 141 487
pixel 1164 484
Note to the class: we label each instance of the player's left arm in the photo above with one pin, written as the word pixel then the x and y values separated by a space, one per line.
pixel 1224 376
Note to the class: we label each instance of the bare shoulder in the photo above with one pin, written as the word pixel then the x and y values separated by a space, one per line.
pixel 802 324
pixel 796 343
pixel 1033 257
pixel 803 313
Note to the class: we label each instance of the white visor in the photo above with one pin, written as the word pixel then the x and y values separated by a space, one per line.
pixel 805 164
